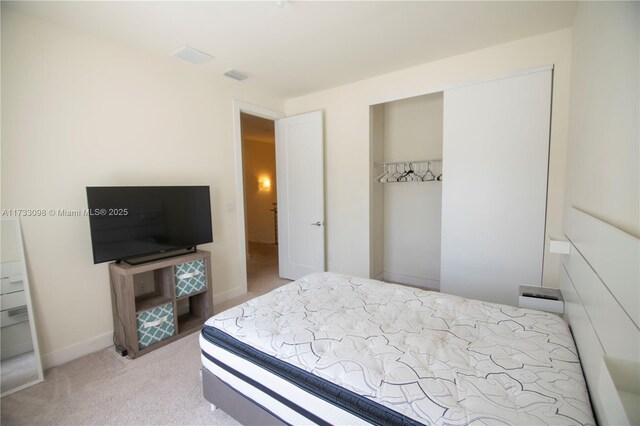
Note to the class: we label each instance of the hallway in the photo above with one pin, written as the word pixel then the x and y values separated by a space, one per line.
pixel 262 274
pixel 262 268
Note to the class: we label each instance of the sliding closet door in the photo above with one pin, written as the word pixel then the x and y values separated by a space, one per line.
pixel 495 150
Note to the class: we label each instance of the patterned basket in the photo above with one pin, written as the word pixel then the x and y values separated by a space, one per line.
pixel 155 325
pixel 190 277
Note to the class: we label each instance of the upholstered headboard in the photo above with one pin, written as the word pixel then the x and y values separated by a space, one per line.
pixel 600 283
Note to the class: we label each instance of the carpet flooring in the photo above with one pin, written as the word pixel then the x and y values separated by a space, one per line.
pixel 160 388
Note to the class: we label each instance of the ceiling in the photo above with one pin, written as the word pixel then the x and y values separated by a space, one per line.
pixel 290 48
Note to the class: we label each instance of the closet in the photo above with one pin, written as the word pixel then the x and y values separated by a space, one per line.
pixel 479 231
pixel 406 194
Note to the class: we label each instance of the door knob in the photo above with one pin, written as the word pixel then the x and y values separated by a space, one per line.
pixel 318 223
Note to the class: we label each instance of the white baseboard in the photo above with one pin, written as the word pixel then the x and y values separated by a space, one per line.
pixel 69 353
pixel 227 295
pixel 422 282
pixel 64 355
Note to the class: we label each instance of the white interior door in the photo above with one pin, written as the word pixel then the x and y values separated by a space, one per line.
pixel 300 173
pixel 495 151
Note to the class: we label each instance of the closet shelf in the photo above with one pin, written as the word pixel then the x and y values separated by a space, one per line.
pixel 408 171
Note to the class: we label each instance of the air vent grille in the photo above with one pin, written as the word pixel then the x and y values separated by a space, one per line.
pixel 237 75
pixel 192 55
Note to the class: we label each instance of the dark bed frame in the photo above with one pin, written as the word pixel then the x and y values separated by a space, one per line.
pixel 235 404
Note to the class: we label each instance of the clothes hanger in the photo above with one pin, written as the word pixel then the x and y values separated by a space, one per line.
pixel 394 175
pixel 419 172
pixel 386 171
pixel 429 176
pixel 406 173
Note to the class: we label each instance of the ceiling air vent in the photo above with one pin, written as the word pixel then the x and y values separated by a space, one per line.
pixel 237 75
pixel 192 55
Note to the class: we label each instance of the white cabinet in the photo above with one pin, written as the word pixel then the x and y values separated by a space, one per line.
pixel 495 152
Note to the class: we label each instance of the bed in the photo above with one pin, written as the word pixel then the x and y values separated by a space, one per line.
pixel 336 349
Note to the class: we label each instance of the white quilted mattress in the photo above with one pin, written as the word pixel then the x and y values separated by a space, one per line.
pixel 435 358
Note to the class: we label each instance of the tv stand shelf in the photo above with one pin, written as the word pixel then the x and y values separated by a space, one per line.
pixel 158 302
pixel 145 303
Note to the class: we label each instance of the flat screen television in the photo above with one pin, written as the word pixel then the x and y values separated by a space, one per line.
pixel 129 222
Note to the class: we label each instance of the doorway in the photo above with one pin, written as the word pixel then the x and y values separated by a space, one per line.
pixel 260 201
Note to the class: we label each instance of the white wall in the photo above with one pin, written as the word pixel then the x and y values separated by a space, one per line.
pixel 78 111
pixel 412 211
pixel 348 159
pixel 259 161
pixel 413 128
pixel 603 177
pixel 376 198
pixel 9 246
